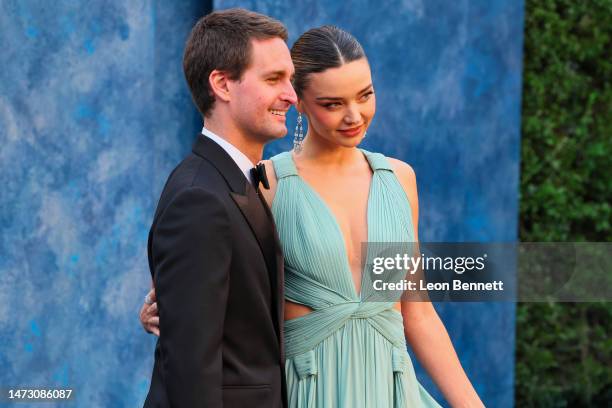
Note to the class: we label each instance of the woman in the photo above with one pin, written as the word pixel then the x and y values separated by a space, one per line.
pixel 328 197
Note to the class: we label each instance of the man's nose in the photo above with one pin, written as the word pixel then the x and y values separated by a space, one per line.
pixel 289 94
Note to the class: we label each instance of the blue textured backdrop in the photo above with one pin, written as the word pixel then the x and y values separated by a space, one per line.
pixel 94 113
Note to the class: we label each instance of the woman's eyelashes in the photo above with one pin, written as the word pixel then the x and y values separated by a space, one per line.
pixel 367 95
pixel 331 105
pixel 362 98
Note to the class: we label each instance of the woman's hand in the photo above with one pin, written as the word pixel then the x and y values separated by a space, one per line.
pixel 149 317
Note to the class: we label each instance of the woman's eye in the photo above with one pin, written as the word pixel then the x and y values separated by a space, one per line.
pixel 367 95
pixel 331 104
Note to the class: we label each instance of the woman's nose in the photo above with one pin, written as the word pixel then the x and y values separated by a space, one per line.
pixel 352 114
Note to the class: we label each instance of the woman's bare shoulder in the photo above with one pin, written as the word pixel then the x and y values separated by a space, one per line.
pixel 407 178
pixel 405 173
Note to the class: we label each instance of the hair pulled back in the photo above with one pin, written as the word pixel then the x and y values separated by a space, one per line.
pixel 319 49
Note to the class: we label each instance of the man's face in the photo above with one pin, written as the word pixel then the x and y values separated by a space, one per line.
pixel 262 97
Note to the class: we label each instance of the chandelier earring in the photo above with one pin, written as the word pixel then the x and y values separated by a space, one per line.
pixel 298 136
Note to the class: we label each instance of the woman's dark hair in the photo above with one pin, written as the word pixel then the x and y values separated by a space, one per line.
pixel 322 48
pixel 222 40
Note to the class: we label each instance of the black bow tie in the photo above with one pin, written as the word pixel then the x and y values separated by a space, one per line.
pixel 258 173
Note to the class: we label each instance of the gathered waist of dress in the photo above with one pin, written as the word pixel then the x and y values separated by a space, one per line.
pixel 306 332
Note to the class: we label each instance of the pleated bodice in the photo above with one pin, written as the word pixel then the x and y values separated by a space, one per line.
pixel 317 271
pixel 318 275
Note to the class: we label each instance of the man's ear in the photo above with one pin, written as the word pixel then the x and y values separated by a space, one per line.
pixel 218 81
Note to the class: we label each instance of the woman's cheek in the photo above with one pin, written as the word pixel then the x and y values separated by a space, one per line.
pixel 371 109
pixel 328 121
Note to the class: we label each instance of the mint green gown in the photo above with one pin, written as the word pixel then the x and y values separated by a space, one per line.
pixel 348 352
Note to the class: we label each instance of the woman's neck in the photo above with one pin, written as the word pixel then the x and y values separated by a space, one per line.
pixel 326 154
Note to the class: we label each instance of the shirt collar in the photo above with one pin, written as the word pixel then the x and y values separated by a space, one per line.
pixel 241 160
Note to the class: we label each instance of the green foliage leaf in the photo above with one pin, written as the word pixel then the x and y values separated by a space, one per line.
pixel 564 353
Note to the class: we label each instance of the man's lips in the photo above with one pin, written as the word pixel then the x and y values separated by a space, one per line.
pixel 278 112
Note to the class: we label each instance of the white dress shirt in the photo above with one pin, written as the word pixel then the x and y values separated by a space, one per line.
pixel 241 160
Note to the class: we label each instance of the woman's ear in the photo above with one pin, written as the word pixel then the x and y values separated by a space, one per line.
pixel 299 107
pixel 218 81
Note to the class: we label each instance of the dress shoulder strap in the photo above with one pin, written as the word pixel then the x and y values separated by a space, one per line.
pixel 284 165
pixel 377 161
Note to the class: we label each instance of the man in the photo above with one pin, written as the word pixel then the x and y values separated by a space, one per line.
pixel 212 246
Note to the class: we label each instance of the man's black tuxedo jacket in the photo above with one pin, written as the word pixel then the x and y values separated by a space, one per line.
pixel 217 269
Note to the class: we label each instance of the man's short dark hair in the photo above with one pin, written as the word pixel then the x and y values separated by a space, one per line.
pixel 222 41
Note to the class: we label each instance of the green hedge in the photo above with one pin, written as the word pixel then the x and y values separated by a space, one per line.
pixel 564 351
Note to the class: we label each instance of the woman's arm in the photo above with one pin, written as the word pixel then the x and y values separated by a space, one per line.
pixel 432 346
pixel 423 328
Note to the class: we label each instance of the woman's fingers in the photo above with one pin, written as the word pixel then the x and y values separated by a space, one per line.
pixel 143 315
pixel 149 318
pixel 153 321
pixel 149 315
pixel 153 325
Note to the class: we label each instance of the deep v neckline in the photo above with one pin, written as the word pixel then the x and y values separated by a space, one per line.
pixel 336 224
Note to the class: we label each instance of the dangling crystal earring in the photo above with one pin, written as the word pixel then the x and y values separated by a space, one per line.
pixel 298 136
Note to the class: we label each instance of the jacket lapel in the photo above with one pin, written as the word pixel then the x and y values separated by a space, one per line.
pixel 257 219
pixel 279 282
pixel 218 157
pixel 257 215
pixel 242 192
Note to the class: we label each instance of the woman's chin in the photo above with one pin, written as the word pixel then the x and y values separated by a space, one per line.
pixel 353 142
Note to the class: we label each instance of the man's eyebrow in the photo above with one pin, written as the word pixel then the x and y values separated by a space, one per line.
pixel 330 98
pixel 275 73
